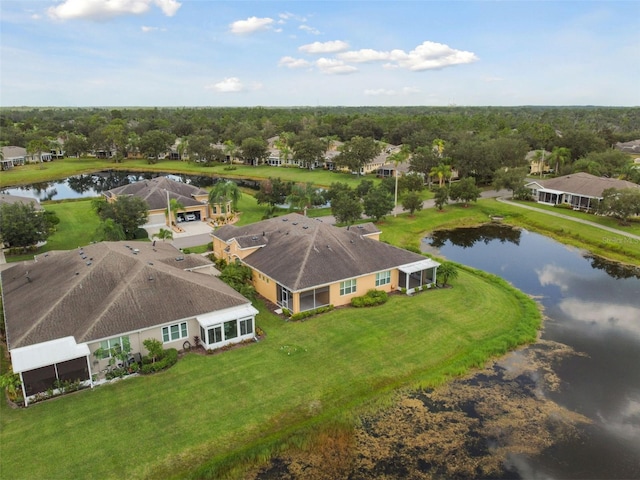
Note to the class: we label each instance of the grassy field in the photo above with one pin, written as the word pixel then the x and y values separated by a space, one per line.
pixel 212 413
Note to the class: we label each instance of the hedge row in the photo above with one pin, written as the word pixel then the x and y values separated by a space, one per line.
pixel 169 358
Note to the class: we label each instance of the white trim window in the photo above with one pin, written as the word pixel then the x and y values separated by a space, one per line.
pixel 383 278
pixel 175 332
pixel 246 326
pixel 112 345
pixel 348 287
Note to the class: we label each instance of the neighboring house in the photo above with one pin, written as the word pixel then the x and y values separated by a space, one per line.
pixel 632 147
pixel 38 157
pixel 57 148
pixel 538 162
pixel 158 193
pixel 12 157
pixel 63 306
pixel 580 190
pixel 11 199
pixel 301 264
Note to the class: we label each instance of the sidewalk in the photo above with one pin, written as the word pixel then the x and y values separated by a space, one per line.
pixel 569 217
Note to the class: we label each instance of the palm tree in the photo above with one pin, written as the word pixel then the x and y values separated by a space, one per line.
pixel 225 191
pixel 442 171
pixel 438 146
pixel 539 157
pixel 163 234
pixel 301 197
pixel 183 146
pixel 173 207
pixel 559 155
pixel 397 158
pixel 448 271
pixel 230 149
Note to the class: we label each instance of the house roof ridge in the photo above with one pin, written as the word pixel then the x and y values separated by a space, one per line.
pixel 108 301
pixel 305 259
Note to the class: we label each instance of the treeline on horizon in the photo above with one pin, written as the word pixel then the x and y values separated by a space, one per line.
pixel 474 138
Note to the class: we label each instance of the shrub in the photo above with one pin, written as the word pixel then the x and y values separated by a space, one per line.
pixel 169 358
pixel 370 299
pixel 140 234
pixel 310 313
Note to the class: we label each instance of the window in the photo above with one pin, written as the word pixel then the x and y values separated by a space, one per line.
pixel 246 326
pixel 347 287
pixel 174 332
pixel 230 329
pixel 383 278
pixel 117 343
pixel 214 335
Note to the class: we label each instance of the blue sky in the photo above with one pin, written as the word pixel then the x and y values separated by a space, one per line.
pixel 308 53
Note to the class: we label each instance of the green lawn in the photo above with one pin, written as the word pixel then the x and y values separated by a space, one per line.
pixel 208 410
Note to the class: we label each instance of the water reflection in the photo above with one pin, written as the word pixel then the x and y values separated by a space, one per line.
pixel 92 185
pixel 593 307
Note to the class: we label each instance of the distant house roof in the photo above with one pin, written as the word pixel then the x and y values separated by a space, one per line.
pixel 584 184
pixel 300 252
pixel 11 199
pixel 11 152
pixel 107 289
pixel 154 192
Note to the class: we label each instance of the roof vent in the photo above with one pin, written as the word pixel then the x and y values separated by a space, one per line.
pixel 88 263
pixel 254 238
pixel 180 258
pixel 360 226
pixel 136 251
pixel 294 223
pixel 305 226
pixel 285 219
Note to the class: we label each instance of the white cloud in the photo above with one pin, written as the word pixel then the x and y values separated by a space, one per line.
pixel 426 56
pixel 291 62
pixel 250 25
pixel 603 316
pixel 147 29
pixel 363 56
pixel 309 29
pixel 107 9
pixel 228 85
pixel 324 47
pixel 377 92
pixel 331 66
pixel 233 85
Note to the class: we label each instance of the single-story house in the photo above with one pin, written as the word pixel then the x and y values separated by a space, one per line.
pixel 538 161
pixel 13 156
pixel 11 199
pixel 580 190
pixel 61 307
pixel 300 263
pixel 158 193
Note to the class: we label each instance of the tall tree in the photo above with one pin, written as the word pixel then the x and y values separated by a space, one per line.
pixel 154 143
pixel 346 207
pixel 441 197
pixel 620 203
pixel 356 153
pixel 512 179
pixel 225 191
pixel 254 150
pixel 559 156
pixel 273 191
pixel 309 151
pixel 129 212
pixel 465 190
pixel 21 225
pixel 412 202
pixel 442 171
pixel 378 203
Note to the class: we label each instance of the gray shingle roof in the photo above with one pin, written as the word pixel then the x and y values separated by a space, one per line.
pixel 584 184
pixel 120 291
pixel 11 199
pixel 154 192
pixel 299 252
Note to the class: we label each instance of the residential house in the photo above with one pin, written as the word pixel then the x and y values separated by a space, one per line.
pixel 538 161
pixel 12 156
pixel 579 190
pixel 11 199
pixel 62 307
pixel 158 193
pixel 301 263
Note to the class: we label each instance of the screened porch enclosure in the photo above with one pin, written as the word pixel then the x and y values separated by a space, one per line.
pixel 41 379
pixel 314 298
pixel 419 274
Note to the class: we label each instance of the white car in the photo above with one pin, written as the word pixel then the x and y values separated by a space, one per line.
pixel 189 217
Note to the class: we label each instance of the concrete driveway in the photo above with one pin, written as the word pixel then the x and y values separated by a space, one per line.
pixel 195 234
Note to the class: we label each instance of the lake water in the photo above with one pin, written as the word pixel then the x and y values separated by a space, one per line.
pixel 92 185
pixel 593 307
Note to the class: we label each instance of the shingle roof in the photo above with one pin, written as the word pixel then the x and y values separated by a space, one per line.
pixel 120 291
pixel 584 184
pixel 13 152
pixel 154 192
pixel 299 252
pixel 11 199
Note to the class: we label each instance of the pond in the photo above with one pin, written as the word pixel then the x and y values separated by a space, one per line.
pixel 92 185
pixel 592 307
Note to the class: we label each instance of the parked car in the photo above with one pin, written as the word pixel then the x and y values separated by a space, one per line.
pixel 190 217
